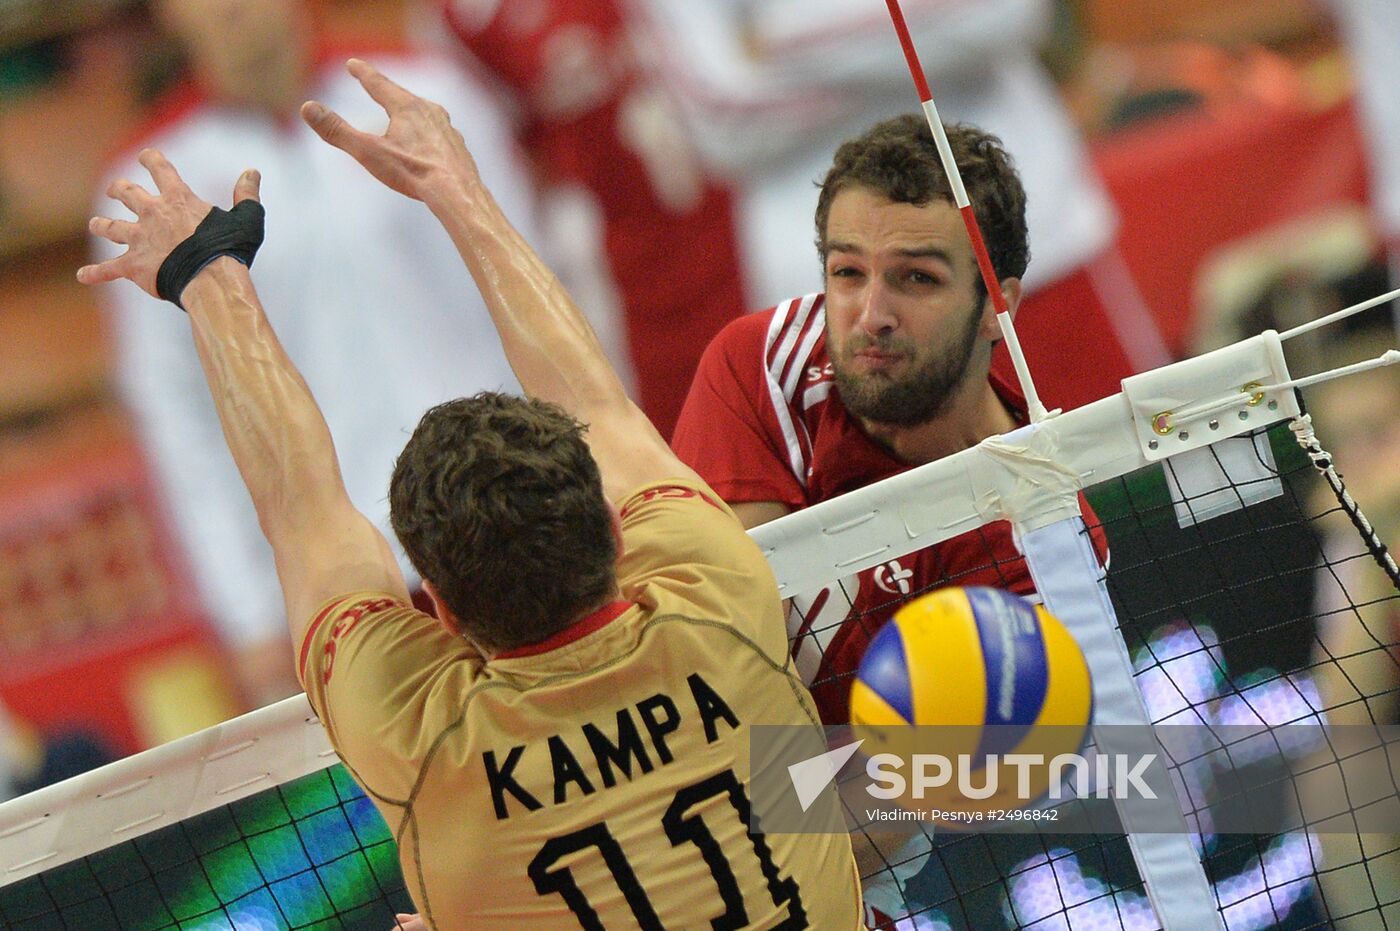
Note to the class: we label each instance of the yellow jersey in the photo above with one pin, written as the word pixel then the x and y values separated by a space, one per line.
pixel 598 779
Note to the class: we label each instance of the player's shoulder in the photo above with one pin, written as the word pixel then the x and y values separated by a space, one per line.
pixel 753 336
pixel 654 495
pixel 763 357
pixel 680 522
pixel 743 331
pixel 734 356
pixel 338 617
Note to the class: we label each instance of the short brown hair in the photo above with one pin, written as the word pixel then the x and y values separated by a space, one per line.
pixel 498 502
pixel 899 159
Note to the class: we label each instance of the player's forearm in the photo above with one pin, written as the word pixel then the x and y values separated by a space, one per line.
pixel 547 340
pixel 273 427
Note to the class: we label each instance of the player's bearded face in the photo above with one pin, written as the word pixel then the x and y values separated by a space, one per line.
pixel 921 380
pixel 903 319
pixel 246 52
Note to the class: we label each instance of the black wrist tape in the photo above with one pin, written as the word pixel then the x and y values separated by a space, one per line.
pixel 237 233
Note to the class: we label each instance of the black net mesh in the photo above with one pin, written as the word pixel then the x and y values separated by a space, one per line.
pixel 312 853
pixel 1275 614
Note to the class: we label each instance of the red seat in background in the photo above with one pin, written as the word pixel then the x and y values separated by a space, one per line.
pixel 100 631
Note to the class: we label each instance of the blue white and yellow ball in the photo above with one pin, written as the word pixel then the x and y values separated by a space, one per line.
pixel 993 672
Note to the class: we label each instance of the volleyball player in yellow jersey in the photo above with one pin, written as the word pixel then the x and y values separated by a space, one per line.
pixel 566 746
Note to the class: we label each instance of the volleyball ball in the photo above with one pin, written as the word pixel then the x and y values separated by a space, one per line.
pixel 984 673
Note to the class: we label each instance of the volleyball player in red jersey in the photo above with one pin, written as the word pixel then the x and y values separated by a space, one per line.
pixel 632 218
pixel 890 368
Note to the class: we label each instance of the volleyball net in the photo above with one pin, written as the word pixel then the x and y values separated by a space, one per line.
pixel 1239 591
pixel 1228 623
pixel 1247 592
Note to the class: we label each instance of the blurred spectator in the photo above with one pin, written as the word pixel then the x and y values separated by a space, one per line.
pixel 14 755
pixel 360 283
pixel 1357 654
pixel 617 91
pixel 771 88
pixel 1371 30
pixel 640 234
pixel 30 759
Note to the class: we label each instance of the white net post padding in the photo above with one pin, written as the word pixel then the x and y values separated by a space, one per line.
pixel 1067 575
pixel 1041 499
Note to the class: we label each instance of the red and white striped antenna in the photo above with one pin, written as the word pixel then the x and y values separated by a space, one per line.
pixel 1034 408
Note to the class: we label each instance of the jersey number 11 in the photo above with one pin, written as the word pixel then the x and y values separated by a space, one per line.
pixel 680 829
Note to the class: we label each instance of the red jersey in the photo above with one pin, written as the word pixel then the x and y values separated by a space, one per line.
pixel 596 121
pixel 762 423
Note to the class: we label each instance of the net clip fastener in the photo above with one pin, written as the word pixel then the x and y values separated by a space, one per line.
pixel 1196 402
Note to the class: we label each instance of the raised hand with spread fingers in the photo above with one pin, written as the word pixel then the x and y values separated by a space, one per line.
pixel 420 152
pixel 185 250
pixel 547 339
pixel 165 221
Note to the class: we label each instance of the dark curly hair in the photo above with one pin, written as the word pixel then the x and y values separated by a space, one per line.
pixel 498 502
pixel 899 159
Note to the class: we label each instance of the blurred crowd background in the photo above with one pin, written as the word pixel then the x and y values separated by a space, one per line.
pixel 1197 169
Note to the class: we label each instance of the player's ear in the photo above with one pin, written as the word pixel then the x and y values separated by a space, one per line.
pixel 1011 291
pixel 615 522
pixel 449 621
pixel 170 18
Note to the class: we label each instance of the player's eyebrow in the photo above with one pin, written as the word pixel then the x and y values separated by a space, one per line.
pixel 916 252
pixel 926 252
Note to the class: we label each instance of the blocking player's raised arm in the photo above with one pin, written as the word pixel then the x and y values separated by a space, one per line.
pixel 181 249
pixel 547 340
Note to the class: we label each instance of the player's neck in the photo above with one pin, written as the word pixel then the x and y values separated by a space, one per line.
pixel 974 415
pixel 277 97
pixel 589 613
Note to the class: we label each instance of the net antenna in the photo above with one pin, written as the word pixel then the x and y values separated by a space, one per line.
pixel 1339 315
pixel 1034 407
pixel 1321 459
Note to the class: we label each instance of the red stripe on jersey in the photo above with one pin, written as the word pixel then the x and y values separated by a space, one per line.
pixel 783 341
pixel 791 376
pixel 790 346
pixel 814 336
pixel 666 491
pixel 575 631
pixel 771 344
pixel 786 351
pixel 311 632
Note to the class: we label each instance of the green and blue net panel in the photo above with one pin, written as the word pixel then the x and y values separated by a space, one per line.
pixel 310 854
